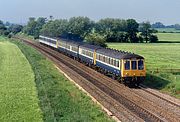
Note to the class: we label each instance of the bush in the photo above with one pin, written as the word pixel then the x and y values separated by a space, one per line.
pixel 153 39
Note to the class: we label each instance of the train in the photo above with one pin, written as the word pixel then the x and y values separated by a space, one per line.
pixel 127 67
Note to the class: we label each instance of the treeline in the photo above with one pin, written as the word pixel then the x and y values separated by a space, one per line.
pixel 8 29
pixel 83 28
pixel 161 25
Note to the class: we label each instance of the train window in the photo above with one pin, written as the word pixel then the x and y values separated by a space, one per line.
pixel 64 45
pixel 114 62
pixel 100 57
pixel 91 54
pixel 74 49
pixel 103 58
pixel 117 63
pixel 127 65
pixel 106 59
pixel 68 46
pixel 82 51
pixel 111 61
pixel 97 56
pixel 140 65
pixel 134 65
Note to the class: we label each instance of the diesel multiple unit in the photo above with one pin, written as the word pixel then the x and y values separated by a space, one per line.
pixel 128 67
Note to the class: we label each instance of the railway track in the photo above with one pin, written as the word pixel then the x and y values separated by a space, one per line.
pixel 167 102
pixel 112 105
pixel 144 88
pixel 112 89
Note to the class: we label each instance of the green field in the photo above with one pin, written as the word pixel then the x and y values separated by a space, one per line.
pixel 169 37
pixel 167 30
pixel 60 99
pixel 158 56
pixel 18 94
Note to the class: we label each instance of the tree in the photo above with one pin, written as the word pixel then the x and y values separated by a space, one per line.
pixel 34 26
pixel 132 29
pixel 15 28
pixel 96 39
pixel 7 24
pixel 153 39
pixel 3 29
pixel 113 29
pixel 51 17
pixel 158 25
pixel 30 27
pixel 55 28
pixel 147 32
pixel 109 25
pixel 80 26
pixel 177 26
pixel 2 26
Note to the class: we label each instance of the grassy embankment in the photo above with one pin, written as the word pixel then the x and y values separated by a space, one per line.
pixel 161 56
pixel 18 93
pixel 59 99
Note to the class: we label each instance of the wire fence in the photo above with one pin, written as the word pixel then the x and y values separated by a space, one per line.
pixel 159 70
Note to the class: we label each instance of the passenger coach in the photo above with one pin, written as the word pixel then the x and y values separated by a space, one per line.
pixel 129 67
pixel 48 41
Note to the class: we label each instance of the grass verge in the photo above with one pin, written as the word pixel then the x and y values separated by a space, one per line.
pixel 60 100
pixel 18 100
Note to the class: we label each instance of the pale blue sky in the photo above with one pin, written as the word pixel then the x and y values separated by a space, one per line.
pixel 18 11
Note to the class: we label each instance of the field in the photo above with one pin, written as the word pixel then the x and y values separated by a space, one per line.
pixel 19 100
pixel 59 99
pixel 167 30
pixel 160 58
pixel 169 37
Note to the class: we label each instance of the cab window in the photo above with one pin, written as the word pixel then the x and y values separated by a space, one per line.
pixel 140 65
pixel 133 65
pixel 127 65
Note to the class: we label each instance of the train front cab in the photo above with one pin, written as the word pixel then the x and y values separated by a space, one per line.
pixel 133 70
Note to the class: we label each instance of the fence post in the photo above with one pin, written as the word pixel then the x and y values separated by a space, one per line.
pixel 157 70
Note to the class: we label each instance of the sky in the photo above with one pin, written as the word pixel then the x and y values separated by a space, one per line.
pixel 165 11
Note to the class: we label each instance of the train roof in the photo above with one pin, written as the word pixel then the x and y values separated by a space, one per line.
pixel 76 43
pixel 50 38
pixel 90 47
pixel 118 54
